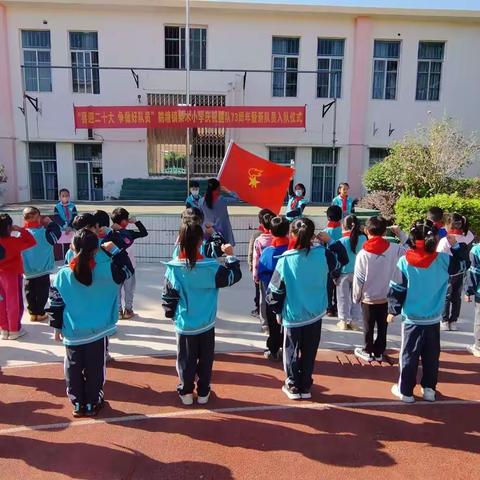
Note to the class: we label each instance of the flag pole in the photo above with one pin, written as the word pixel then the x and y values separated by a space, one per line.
pixel 227 152
pixel 187 85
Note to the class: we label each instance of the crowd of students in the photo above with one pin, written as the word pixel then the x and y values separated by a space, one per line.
pixel 300 276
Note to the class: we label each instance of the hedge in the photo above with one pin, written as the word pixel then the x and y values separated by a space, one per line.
pixel 408 209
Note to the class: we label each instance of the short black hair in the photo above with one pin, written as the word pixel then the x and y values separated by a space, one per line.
pixel 193 215
pixel 334 213
pixel 435 214
pixel 5 223
pixel 63 190
pixel 84 220
pixel 194 184
pixel 101 218
pixel 376 226
pixel 279 226
pixel 120 214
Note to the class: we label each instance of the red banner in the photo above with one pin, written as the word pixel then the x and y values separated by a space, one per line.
pixel 189 117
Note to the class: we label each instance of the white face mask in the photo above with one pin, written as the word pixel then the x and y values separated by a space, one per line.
pixel 195 193
pixel 299 193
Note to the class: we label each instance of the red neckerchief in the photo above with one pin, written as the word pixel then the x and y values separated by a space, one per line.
pixel 280 241
pixel 32 224
pixel 74 261
pixel 67 212
pixel 376 245
pixel 418 257
pixel 344 203
pixel 332 224
pixel 215 196
pixel 439 225
pixel 183 256
pixel 456 231
pixel 291 243
pixel 263 230
pixel 346 234
pixel 295 202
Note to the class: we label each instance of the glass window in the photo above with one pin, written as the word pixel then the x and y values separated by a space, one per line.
pixel 429 70
pixel 386 54
pixel 88 162
pixel 377 155
pixel 324 172
pixel 282 155
pixel 84 58
pixel 285 51
pixel 175 48
pixel 329 65
pixel 36 59
pixel 43 171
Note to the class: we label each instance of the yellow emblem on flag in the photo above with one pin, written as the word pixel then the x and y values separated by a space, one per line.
pixel 254 174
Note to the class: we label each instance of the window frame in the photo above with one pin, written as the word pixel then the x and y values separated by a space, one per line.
pixel 43 161
pixel 329 72
pixel 92 69
pixel 36 65
pixel 286 70
pixel 385 61
pixel 370 164
pixel 202 61
pixel 430 61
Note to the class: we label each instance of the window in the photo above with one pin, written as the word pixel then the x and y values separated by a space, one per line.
pixel 324 172
pixel 281 155
pixel 43 171
pixel 175 48
pixel 285 51
pixel 429 73
pixel 329 64
pixel 84 56
pixel 36 53
pixel 385 69
pixel 88 162
pixel 377 155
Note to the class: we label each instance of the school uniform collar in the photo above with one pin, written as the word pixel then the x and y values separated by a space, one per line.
pixel 332 224
pixel 376 245
pixel 280 241
pixel 418 257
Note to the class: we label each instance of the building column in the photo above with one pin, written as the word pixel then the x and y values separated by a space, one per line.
pixel 359 103
pixel 7 128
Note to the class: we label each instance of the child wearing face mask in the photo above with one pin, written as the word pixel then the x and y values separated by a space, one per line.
pixel 194 197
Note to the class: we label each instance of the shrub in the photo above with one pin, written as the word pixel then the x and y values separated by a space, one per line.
pixel 408 209
pixel 382 201
pixel 380 178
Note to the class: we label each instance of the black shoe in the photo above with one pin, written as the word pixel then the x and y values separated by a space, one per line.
pixel 331 312
pixel 78 410
pixel 291 392
pixel 93 410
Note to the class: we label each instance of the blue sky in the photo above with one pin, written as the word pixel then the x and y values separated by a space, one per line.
pixel 428 4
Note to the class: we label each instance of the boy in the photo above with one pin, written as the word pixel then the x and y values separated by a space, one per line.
pixel 374 268
pixel 39 261
pixel 472 288
pixel 436 215
pixel 334 230
pixel 194 197
pixel 126 237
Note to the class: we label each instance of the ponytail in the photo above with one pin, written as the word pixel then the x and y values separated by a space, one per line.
pixel 352 224
pixel 304 230
pixel 424 230
pixel 212 185
pixel 85 243
pixel 265 217
pixel 459 222
pixel 189 238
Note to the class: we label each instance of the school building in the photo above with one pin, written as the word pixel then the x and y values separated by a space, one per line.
pixel 389 70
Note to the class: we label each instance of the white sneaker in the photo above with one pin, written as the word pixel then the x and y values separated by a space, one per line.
pixel 203 400
pixel 453 327
pixel 361 353
pixel 17 335
pixel 187 399
pixel 428 394
pixel 404 398
pixel 4 334
pixel 342 325
pixel 305 395
pixel 445 326
pixel 473 350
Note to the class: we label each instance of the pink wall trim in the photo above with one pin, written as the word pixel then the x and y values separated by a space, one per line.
pixel 359 103
pixel 7 128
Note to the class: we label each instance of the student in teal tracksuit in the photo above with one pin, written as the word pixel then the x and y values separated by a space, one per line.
pixel 190 299
pixel 89 280
pixel 297 294
pixel 417 293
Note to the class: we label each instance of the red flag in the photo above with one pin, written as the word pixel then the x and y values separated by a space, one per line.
pixel 256 180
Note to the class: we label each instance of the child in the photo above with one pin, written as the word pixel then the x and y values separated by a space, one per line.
pixel 11 271
pixel 39 261
pixel 435 215
pixel 84 220
pixel 279 227
pixel 296 200
pixel 417 292
pixel 194 197
pixel 343 201
pixel 472 288
pixel 334 230
pixel 374 267
pixel 256 301
pixel 349 313
pixel 121 219
pixel 190 298
pixel 89 280
pixel 65 211
pixel 298 297
pixel 458 226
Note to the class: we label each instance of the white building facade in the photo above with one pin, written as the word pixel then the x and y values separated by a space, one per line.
pixel 390 70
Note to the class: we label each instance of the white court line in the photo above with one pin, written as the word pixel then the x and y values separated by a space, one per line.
pixel 229 410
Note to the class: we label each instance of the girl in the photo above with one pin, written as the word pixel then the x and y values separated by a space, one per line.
pixel 88 280
pixel 417 292
pixel 297 295
pixel 190 299
pixel 215 209
pixel 11 271
pixel 349 313
pixel 64 213
pixel 457 225
pixel 296 200
pixel 343 200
